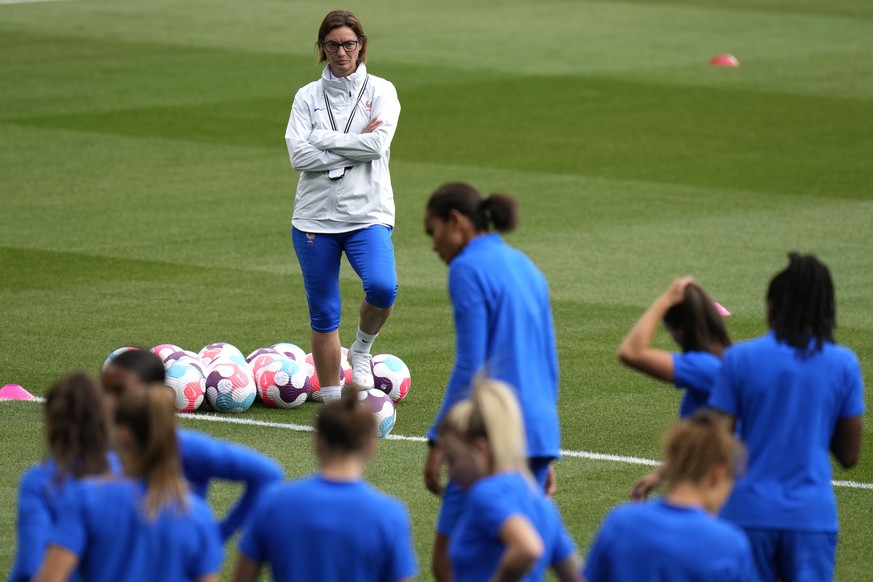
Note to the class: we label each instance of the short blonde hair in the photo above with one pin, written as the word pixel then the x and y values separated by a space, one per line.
pixel 695 446
pixel 491 412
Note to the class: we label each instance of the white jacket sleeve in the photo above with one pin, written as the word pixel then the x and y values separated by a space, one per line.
pixel 364 147
pixel 304 155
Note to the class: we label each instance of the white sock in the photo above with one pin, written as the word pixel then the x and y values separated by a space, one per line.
pixel 331 393
pixel 363 341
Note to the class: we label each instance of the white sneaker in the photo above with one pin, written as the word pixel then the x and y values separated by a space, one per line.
pixel 362 370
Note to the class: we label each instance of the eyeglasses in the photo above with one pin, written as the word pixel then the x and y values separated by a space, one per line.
pixel 348 46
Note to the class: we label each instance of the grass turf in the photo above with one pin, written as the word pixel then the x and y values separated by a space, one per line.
pixel 145 194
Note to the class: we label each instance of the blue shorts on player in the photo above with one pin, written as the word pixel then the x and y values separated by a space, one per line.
pixel 369 251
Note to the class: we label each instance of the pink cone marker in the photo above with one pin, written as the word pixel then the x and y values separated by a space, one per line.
pixel 721 310
pixel 15 392
pixel 724 61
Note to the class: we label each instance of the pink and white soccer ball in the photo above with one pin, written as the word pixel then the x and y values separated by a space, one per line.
pixel 383 409
pixel 346 367
pixel 391 376
pixel 187 380
pixel 229 386
pixel 315 382
pixel 225 350
pixel 293 351
pixel 281 381
pixel 114 354
pixel 163 351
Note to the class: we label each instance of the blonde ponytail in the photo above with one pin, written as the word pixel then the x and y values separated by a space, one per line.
pixel 492 412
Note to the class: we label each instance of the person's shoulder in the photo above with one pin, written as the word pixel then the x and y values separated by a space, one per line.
pixel 308 90
pixel 37 475
pixel 840 352
pixel 380 83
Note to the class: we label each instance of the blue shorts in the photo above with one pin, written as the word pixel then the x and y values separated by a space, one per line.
pixel 453 497
pixel 793 556
pixel 370 253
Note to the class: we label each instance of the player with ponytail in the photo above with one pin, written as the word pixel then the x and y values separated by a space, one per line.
pixel 508 530
pixel 342 527
pixel 77 431
pixel 503 322
pixel 695 324
pixel 678 537
pixel 165 532
pixel 204 458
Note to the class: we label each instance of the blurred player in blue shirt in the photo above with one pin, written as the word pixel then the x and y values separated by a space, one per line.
pixel 204 458
pixel 145 525
pixel 796 396
pixel 331 526
pixel 677 537
pixel 77 431
pixel 507 530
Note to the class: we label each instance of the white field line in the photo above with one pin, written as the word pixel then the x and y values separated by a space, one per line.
pixel 213 417
pixel 8 2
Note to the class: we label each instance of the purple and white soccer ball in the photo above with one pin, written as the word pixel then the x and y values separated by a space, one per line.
pixel 293 351
pixel 186 379
pixel 260 352
pixel 164 351
pixel 115 354
pixel 229 386
pixel 225 350
pixel 391 376
pixel 383 409
pixel 281 381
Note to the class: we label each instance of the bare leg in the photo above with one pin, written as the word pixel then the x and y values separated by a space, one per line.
pixel 440 566
pixel 373 318
pixel 326 354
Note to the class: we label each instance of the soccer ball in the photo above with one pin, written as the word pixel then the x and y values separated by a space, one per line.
pixel 163 351
pixel 383 409
pixel 229 386
pixel 173 356
pixel 291 350
pixel 259 352
pixel 186 379
pixel 281 381
pixel 391 376
pixel 115 353
pixel 346 367
pixel 314 382
pixel 222 350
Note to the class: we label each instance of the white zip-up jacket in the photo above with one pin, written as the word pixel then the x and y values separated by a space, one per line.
pixel 363 196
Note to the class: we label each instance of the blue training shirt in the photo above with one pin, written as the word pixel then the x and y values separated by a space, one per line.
pixel 475 548
pixel 663 542
pixel 503 321
pixel 205 458
pixel 317 529
pixel 695 372
pixel 39 494
pixel 787 404
pixel 102 522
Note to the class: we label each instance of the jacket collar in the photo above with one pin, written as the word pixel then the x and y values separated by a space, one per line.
pixel 352 83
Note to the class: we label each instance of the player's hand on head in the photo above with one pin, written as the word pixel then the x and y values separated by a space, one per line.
pixel 675 293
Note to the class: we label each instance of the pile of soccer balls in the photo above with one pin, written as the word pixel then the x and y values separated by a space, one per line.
pixel 282 376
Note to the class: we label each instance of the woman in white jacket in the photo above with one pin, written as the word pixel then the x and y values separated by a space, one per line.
pixel 339 137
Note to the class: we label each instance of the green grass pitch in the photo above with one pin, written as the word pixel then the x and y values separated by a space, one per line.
pixel 145 197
